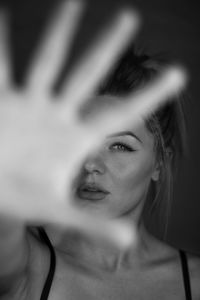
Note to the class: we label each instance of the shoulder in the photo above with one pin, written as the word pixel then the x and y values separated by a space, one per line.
pixel 171 257
pixel 39 261
pixel 30 282
pixel 193 263
pixel 194 272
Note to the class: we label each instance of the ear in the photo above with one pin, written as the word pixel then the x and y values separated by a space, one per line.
pixel 156 172
pixel 158 166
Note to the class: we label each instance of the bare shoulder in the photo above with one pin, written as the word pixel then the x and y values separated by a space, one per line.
pixel 30 283
pixel 194 263
pixel 169 256
pixel 194 271
pixel 38 265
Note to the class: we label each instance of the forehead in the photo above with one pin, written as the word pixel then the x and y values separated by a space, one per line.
pixel 98 104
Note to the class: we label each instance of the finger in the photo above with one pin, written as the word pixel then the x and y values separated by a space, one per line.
pixel 117 232
pixel 90 71
pixel 38 206
pixel 139 105
pixel 5 68
pixel 55 47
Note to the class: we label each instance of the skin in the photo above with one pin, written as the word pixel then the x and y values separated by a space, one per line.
pixel 86 269
pixel 124 166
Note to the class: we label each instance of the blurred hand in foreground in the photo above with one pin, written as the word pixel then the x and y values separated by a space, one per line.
pixel 44 142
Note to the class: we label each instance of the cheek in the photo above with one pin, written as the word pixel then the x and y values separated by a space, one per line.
pixel 132 171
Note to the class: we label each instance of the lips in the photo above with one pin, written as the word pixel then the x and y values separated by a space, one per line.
pixel 91 191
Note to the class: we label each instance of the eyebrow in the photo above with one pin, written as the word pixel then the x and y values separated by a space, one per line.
pixel 121 133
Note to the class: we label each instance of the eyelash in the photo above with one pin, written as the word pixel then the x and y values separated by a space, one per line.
pixel 126 148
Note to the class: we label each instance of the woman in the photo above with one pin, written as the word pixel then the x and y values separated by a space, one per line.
pixel 133 165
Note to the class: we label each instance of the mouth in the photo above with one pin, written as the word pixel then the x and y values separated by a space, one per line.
pixel 91 192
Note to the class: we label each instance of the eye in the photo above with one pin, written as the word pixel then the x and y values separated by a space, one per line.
pixel 120 147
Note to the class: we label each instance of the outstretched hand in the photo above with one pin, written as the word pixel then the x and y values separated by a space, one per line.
pixel 44 142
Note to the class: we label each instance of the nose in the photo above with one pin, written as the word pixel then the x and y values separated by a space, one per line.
pixel 94 164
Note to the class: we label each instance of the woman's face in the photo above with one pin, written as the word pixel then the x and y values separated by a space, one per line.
pixel 115 180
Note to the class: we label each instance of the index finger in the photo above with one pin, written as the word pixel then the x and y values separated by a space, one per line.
pixel 88 74
pixel 139 105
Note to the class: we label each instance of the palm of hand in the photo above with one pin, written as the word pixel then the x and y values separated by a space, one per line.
pixel 43 141
pixel 38 154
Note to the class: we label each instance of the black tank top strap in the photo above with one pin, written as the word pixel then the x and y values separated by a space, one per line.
pixel 186 275
pixel 50 276
pixel 52 267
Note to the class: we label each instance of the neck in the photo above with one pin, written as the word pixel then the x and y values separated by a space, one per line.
pixel 94 255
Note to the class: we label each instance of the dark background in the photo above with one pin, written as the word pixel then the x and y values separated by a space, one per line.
pixel 169 26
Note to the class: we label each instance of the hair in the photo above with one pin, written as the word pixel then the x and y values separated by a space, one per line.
pixel 167 124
